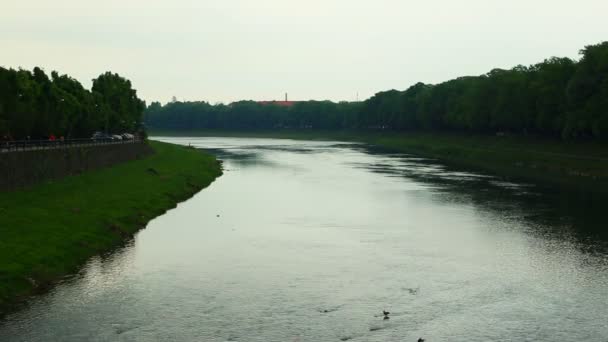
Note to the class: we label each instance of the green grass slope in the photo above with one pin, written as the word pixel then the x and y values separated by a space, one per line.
pixel 48 230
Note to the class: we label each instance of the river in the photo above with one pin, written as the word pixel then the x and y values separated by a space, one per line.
pixel 311 241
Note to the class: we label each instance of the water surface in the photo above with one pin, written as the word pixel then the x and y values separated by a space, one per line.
pixel 310 241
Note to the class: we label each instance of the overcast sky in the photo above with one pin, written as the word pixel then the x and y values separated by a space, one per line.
pixel 226 50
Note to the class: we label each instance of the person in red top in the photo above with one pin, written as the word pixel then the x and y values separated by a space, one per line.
pixel 52 137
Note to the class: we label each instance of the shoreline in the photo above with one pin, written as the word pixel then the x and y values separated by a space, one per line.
pixel 559 165
pixel 51 229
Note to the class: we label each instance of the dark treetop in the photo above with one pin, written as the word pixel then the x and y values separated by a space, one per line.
pixel 36 106
pixel 558 97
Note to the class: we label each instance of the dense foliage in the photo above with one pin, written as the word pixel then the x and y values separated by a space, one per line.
pixel 250 115
pixel 559 97
pixel 36 106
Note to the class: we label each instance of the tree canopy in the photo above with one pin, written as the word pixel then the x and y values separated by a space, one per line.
pixel 558 97
pixel 34 105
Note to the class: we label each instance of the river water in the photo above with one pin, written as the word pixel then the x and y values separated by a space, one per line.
pixel 311 241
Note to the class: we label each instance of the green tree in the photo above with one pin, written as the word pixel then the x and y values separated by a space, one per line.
pixel 122 110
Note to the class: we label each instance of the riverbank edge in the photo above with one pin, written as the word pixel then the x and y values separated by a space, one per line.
pixel 50 230
pixel 559 165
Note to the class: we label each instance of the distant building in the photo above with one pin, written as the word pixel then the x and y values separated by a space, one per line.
pixel 278 103
pixel 285 103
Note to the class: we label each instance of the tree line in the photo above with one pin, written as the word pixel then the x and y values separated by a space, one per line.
pixel 36 106
pixel 558 97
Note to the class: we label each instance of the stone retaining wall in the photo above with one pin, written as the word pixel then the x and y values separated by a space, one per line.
pixel 21 169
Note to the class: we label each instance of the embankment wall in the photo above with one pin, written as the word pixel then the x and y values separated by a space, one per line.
pixel 25 168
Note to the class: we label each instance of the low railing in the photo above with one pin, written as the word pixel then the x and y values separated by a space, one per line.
pixel 33 145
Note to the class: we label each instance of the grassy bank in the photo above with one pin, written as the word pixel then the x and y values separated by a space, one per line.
pixel 48 230
pixel 553 163
pixel 573 165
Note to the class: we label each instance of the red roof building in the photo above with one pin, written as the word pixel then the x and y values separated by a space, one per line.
pixel 278 103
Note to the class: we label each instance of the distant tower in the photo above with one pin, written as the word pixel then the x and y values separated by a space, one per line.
pixel 174 99
pixel 286 97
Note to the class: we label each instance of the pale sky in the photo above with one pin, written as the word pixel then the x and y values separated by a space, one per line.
pixel 227 50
